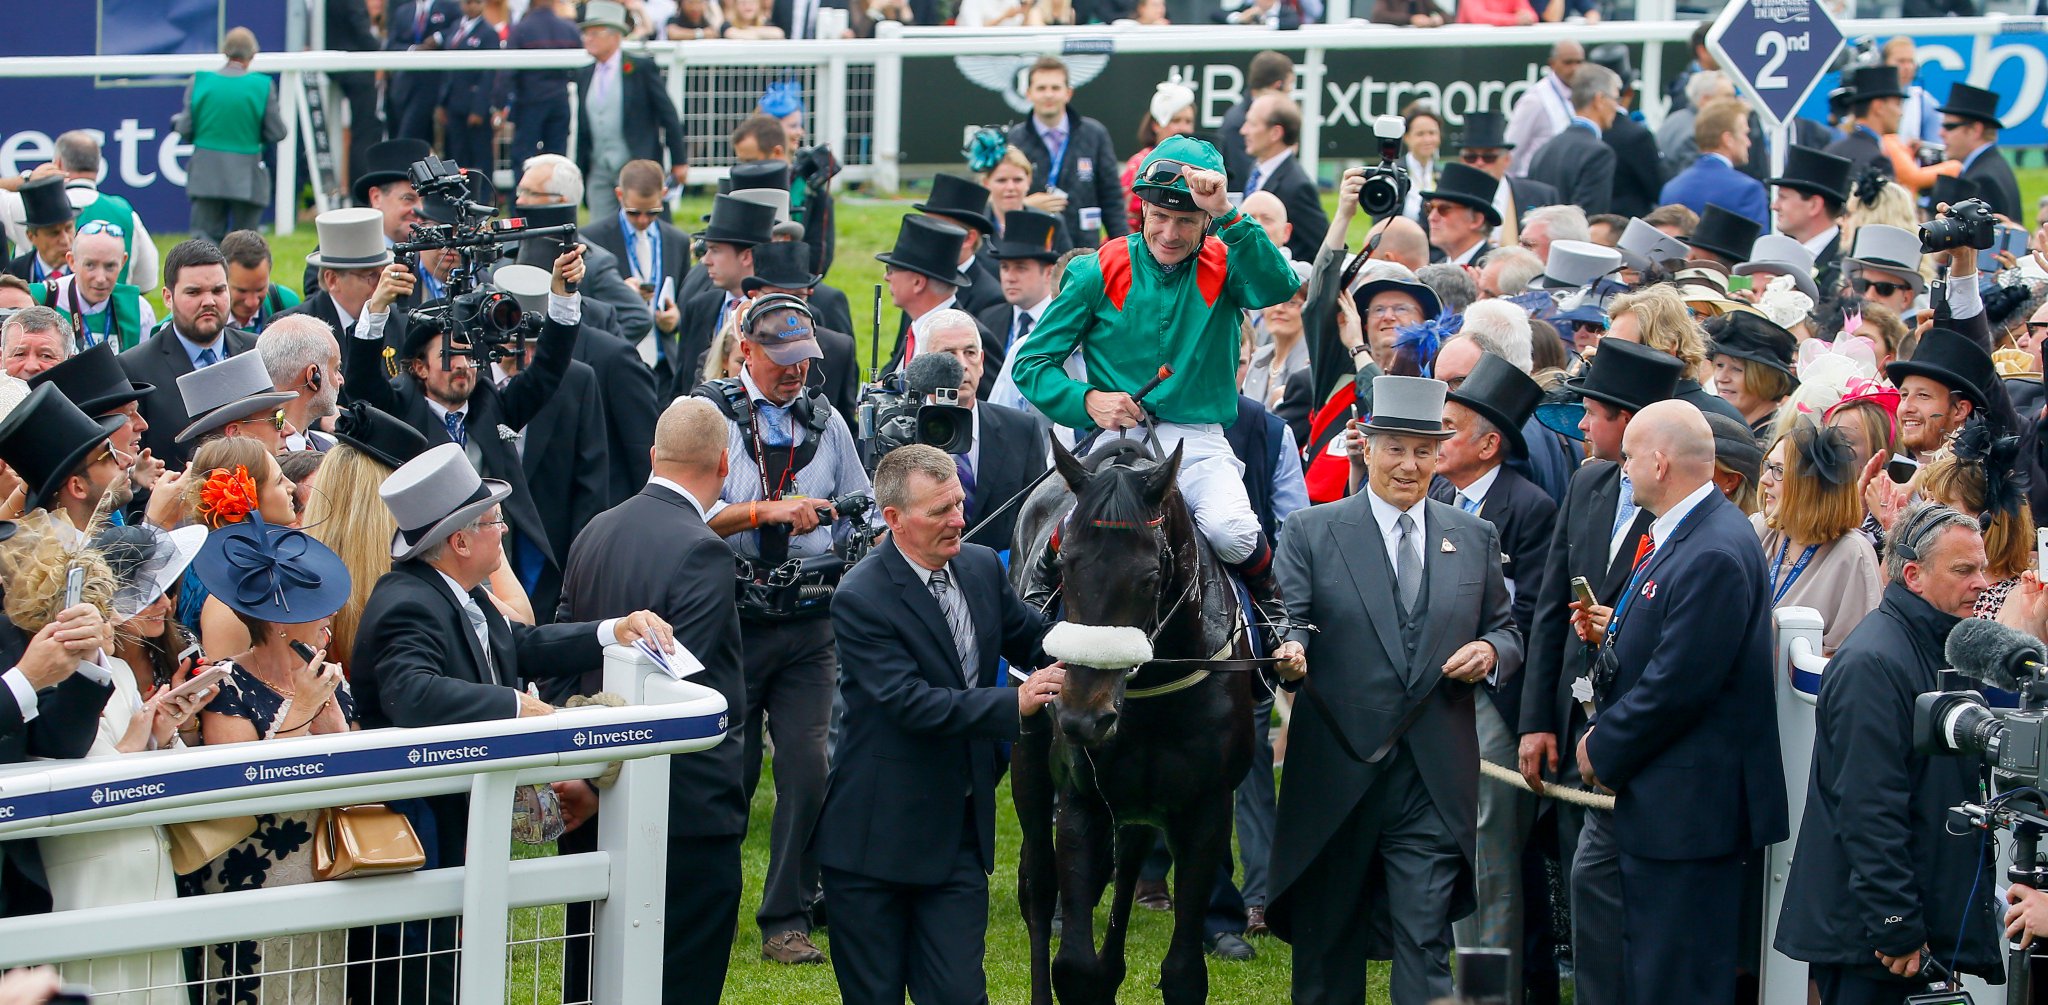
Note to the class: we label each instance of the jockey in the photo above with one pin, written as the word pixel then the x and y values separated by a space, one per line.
pixel 1169 295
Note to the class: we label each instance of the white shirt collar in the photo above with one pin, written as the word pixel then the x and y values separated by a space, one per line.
pixel 1037 310
pixel 688 497
pixel 924 575
pixel 1819 244
pixel 441 411
pixel 1269 165
pixel 922 321
pixel 1481 485
pixel 1466 256
pixel 348 321
pixel 1384 513
pixel 1667 523
pixel 461 595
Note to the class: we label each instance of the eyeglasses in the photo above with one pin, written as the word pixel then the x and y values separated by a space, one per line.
pixel 1479 156
pixel 276 420
pixel 481 524
pixel 101 227
pixel 1165 172
pixel 1775 472
pixel 1393 311
pixel 1884 289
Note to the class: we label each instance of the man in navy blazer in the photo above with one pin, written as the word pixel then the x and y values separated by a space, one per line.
pixel 1682 730
pixel 1716 176
pixel 907 838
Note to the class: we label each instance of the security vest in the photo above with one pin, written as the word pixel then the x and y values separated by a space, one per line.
pixel 121 321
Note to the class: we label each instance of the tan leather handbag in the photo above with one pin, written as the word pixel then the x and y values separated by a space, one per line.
pixel 367 840
pixel 194 843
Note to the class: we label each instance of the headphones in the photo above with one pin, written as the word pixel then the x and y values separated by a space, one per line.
pixel 775 302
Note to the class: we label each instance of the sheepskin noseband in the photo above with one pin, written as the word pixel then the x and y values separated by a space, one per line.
pixel 1106 647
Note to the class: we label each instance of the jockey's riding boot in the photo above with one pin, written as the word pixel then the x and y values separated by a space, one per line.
pixel 1269 609
pixel 1042 578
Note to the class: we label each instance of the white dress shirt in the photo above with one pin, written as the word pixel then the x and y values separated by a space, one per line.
pixel 689 497
pixel 606 636
pixel 1265 168
pixel 1667 523
pixel 1480 487
pixel 1384 513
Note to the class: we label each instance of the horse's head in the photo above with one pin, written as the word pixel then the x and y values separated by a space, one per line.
pixel 1116 564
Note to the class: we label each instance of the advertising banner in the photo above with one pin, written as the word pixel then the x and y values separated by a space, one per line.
pixel 2013 65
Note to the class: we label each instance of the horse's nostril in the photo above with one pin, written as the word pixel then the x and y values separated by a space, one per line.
pixel 1105 723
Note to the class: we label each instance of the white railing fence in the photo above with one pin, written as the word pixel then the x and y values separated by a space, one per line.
pixel 487 760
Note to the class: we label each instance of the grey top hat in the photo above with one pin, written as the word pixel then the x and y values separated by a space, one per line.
pixel 1888 249
pixel 606 14
pixel 435 495
pixel 528 284
pixel 1409 406
pixel 1574 264
pixel 776 197
pixel 350 239
pixel 234 388
pixel 1781 254
pixel 1642 246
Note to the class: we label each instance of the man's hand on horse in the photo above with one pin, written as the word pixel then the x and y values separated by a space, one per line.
pixel 1039 689
pixel 1470 663
pixel 1113 410
pixel 1290 660
pixel 1209 189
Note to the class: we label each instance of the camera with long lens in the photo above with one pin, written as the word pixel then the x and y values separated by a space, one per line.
pixel 1386 183
pixel 1969 223
pixel 895 413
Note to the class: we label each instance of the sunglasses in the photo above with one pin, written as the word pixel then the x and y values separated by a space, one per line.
pixel 1589 328
pixel 276 420
pixel 1165 172
pixel 1479 156
pixel 642 214
pixel 1884 289
pixel 1947 126
pixel 101 227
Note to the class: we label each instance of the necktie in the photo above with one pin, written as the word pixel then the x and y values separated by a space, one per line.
pixel 1624 508
pixel 1644 546
pixel 419 20
pixel 643 261
pixel 207 357
pixel 1023 327
pixel 966 469
pixel 456 432
pixel 1467 503
pixel 957 618
pixel 482 630
pixel 1252 184
pixel 1407 563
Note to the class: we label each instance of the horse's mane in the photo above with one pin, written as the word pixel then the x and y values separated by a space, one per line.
pixel 1115 499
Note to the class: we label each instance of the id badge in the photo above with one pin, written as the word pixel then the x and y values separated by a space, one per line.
pixel 1091 218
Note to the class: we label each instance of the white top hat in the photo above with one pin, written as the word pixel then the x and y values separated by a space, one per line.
pixel 1409 406
pixel 1574 264
pixel 235 388
pixel 1780 254
pixel 1888 249
pixel 435 495
pixel 776 197
pixel 350 239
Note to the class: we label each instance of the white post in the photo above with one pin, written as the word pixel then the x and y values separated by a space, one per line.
pixel 628 927
pixel 285 204
pixel 484 900
pixel 888 136
pixel 1650 90
pixel 1336 11
pixel 1312 70
pixel 832 102
pixel 1781 144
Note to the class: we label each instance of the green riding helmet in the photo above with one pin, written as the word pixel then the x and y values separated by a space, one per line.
pixel 1162 179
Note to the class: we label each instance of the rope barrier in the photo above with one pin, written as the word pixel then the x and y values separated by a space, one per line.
pixel 1563 793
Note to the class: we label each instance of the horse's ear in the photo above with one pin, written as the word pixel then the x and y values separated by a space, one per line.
pixel 1160 480
pixel 1069 468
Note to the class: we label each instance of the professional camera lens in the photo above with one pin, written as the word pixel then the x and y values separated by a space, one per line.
pixel 1956 722
pixel 947 427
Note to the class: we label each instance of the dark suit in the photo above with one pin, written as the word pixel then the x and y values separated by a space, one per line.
pixel 654 552
pixel 838 374
pixel 682 364
pixel 409 98
pixel 1996 185
pixel 830 306
pixel 1090 174
pixel 1297 191
pixel 981 289
pixel 991 348
pixel 1714 179
pixel 1382 847
pixel 606 233
pixel 1013 446
pixel 630 405
pixel 1229 140
pixel 1827 268
pixel 648 119
pixel 470 92
pixel 160 360
pixel 1638 167
pixel 1862 148
pixel 66 723
pixel 1581 166
pixel 564 449
pixel 349 30
pixel 907 837
pixel 1695 765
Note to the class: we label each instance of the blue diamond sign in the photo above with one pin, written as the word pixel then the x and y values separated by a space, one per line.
pixel 1777 50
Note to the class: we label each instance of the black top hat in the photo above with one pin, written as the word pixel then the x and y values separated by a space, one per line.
pixel 928 247
pixel 1972 103
pixel 94 381
pixel 759 174
pixel 1485 131
pixel 1503 394
pixel 1028 233
pixel 737 221
pixel 1875 82
pixel 385 163
pixel 1628 375
pixel 1614 56
pixel 45 203
pixel 541 252
pixel 1725 233
pixel 785 265
pixel 960 199
pixel 1951 190
pixel 46 439
pixel 383 436
pixel 1468 186
pixel 1949 359
pixel 1756 338
pixel 1816 172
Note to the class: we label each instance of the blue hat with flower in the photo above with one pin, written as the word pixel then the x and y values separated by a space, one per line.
pixel 275 574
pixel 783 98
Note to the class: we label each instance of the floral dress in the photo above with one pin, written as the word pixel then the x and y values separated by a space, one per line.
pixel 279 853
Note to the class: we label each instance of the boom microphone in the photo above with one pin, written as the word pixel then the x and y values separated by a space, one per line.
pixel 934 371
pixel 1990 653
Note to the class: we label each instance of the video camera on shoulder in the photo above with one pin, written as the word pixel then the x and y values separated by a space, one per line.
pixel 895 413
pixel 1386 183
pixel 2015 746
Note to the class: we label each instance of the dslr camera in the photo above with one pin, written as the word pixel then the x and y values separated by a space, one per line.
pixel 1386 183
pixel 1965 224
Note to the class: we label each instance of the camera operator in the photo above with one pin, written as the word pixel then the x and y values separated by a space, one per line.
pixel 1879 882
pixel 791 455
pixel 1008 449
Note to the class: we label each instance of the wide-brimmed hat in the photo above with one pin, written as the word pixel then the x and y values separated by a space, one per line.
pixel 1642 246
pixel 734 220
pixel 435 495
pixel 789 342
pixel 386 162
pixel 1576 264
pixel 1952 360
pixel 281 575
pixel 1703 281
pixel 960 199
pixel 386 438
pixel 1868 82
pixel 1161 179
pixel 1735 446
pixel 1431 306
pixel 1816 172
pixel 1725 232
pixel 1972 102
pixel 1028 233
pixel 146 561
pixel 1753 337
pixel 785 265
pixel 928 247
pixel 1467 186
pixel 45 204
pixel 1408 406
pixel 1485 131
pixel 1628 375
pixel 1886 248
pixel 606 14
pixel 749 175
pixel 1499 391
pixel 1783 255
pixel 350 239
pixel 46 439
pixel 94 381
pixel 234 388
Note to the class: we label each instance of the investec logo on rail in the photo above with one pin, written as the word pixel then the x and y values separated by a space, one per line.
pixel 442 755
pixel 121 794
pixel 284 772
pixel 611 737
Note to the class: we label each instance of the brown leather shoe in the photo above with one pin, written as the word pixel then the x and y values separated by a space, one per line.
pixel 791 947
pixel 1255 921
pixel 1152 896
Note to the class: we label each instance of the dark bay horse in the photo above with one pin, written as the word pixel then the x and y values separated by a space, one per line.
pixel 1123 752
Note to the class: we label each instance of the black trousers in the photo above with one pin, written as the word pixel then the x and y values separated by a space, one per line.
pixel 1861 985
pixel 898 937
pixel 791 674
pixel 701 915
pixel 470 146
pixel 409 106
pixel 365 126
pixel 1681 928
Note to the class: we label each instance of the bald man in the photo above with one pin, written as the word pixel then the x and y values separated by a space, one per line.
pixel 654 551
pixel 90 294
pixel 1400 240
pixel 1546 108
pixel 1270 214
pixel 1684 665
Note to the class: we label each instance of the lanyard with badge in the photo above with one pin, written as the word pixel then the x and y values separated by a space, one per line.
pixel 106 315
pixel 1059 157
pixel 653 239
